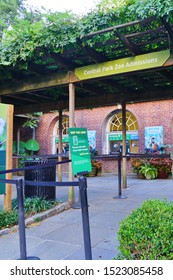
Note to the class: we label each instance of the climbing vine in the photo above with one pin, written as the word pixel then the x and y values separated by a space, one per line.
pixel 33 40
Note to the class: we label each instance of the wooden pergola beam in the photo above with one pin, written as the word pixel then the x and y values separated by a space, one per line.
pixel 94 101
pixel 32 85
pixel 36 84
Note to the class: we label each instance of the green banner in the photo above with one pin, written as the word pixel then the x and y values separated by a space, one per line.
pixel 118 137
pixel 3 139
pixel 124 65
pixel 65 139
pixel 79 150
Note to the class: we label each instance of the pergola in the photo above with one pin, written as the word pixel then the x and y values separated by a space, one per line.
pixel 54 84
pixel 45 86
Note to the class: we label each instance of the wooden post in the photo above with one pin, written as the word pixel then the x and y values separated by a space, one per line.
pixel 71 195
pixel 60 146
pixel 124 174
pixel 9 160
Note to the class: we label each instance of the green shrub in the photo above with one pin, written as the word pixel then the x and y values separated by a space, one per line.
pixel 147 233
pixel 33 205
pixel 8 218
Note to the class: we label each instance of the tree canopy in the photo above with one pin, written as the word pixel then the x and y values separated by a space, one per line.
pixel 35 34
pixel 138 8
pixel 9 11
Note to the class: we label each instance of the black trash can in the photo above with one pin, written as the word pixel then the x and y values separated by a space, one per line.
pixel 43 174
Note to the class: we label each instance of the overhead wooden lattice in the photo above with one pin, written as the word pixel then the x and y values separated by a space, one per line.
pixel 125 40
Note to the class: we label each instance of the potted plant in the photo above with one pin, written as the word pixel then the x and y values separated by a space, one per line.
pixel 149 171
pixel 163 165
pixel 98 165
pixel 136 164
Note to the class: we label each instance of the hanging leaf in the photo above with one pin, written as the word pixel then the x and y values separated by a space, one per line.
pixel 32 145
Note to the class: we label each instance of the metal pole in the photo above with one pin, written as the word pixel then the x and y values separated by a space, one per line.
pixel 85 217
pixel 71 193
pixel 21 219
pixel 119 176
pixel 119 180
pixel 124 172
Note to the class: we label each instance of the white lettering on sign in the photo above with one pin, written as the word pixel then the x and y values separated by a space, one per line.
pixel 92 71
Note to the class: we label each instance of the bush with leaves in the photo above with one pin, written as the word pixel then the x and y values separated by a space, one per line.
pixel 8 218
pixel 147 233
pixel 32 205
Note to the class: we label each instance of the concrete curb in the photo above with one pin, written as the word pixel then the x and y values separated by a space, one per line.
pixel 41 216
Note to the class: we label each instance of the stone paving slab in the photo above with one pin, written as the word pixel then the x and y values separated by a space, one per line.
pixel 61 236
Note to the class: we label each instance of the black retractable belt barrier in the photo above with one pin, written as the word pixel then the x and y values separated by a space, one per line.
pixel 119 196
pixel 85 217
pixel 21 221
pixel 81 183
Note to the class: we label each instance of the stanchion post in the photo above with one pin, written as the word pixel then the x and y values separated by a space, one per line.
pixel 119 176
pixel 120 196
pixel 21 219
pixel 85 217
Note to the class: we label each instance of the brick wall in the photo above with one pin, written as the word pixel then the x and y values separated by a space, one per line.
pixel 158 113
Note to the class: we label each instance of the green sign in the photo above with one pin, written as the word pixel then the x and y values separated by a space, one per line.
pixel 79 150
pixel 124 65
pixel 3 139
pixel 65 139
pixel 118 137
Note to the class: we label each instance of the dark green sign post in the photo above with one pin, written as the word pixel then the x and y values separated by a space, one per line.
pixel 79 150
pixel 81 164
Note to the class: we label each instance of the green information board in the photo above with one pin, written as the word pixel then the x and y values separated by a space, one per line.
pixel 3 140
pixel 118 137
pixel 65 139
pixel 79 150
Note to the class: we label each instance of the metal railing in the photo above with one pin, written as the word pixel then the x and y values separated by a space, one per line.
pixel 81 183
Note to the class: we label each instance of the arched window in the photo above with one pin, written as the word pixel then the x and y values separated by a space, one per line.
pixel 65 139
pixel 115 122
pixel 114 132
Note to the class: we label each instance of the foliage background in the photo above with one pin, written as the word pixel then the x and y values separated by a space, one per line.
pixel 28 34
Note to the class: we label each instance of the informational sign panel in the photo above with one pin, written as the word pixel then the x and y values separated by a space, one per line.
pixel 6 132
pixel 119 137
pixel 124 65
pixel 92 139
pixel 79 150
pixel 3 141
pixel 153 137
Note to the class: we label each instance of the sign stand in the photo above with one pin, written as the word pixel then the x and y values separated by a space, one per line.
pixel 85 217
pixel 81 164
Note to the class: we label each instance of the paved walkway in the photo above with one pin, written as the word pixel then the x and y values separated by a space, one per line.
pixel 61 236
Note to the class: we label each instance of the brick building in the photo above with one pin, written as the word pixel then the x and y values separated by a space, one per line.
pixel 106 124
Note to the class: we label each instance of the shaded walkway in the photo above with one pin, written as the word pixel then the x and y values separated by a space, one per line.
pixel 61 236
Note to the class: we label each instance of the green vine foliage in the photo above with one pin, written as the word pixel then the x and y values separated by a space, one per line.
pixel 9 10
pixel 138 8
pixel 33 120
pixel 34 38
